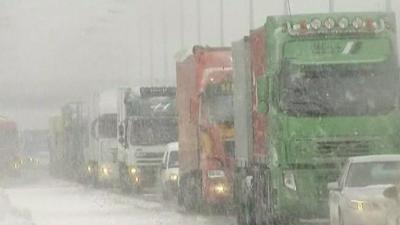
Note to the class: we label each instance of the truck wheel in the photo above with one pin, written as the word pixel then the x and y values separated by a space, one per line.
pixel 245 216
pixel 94 177
pixel 180 197
pixel 341 220
pixel 189 194
pixel 125 184
pixel 165 194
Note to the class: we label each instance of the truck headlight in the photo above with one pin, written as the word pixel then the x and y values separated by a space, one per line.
pixel 289 181
pixel 105 171
pixel 173 177
pixel 220 188
pixel 133 170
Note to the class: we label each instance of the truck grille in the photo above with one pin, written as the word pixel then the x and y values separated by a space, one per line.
pixel 152 155
pixel 149 161
pixel 344 148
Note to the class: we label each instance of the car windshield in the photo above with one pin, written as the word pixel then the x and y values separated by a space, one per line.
pixel 173 159
pixel 338 90
pixel 373 173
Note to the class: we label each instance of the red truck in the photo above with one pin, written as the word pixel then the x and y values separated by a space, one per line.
pixel 9 159
pixel 206 131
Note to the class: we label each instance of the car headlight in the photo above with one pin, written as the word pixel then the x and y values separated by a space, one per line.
pixel 173 177
pixel 289 181
pixel 357 205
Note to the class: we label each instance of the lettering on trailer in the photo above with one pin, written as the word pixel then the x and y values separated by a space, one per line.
pixel 322 48
pixel 147 92
pixel 160 107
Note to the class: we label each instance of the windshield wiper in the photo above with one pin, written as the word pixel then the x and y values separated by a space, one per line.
pixel 310 107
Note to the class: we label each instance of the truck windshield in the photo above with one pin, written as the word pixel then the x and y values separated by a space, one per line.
pixel 218 103
pixel 8 137
pixel 373 173
pixel 153 131
pixel 338 90
pixel 108 126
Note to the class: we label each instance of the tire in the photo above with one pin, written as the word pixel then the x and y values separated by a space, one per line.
pixel 245 216
pixel 94 180
pixel 341 220
pixel 180 197
pixel 125 185
pixel 165 194
pixel 191 194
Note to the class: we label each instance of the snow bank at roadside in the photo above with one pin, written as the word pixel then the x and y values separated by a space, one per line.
pixel 9 215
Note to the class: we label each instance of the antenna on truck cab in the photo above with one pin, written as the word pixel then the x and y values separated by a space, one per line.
pixel 287 7
pixel 388 5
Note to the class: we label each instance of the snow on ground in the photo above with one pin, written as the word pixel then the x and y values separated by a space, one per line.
pixel 57 202
pixel 9 215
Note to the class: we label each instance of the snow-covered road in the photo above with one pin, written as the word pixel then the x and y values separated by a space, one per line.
pixel 56 202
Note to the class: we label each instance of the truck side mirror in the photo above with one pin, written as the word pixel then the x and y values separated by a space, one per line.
pixel 333 186
pixel 194 109
pixel 262 93
pixel 121 130
pixel 391 193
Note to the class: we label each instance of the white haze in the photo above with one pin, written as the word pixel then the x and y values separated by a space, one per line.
pixel 55 51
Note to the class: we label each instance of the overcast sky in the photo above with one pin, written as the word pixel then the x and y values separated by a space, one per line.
pixel 55 51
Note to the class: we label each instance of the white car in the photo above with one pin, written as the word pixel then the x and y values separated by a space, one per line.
pixel 393 215
pixel 357 198
pixel 170 171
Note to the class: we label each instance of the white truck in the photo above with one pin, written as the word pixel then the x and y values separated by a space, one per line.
pixel 129 130
pixel 102 155
pixel 147 122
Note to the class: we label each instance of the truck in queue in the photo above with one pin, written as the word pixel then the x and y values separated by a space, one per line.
pixel 147 122
pixel 56 146
pixel 206 131
pixel 10 159
pixel 76 139
pixel 309 92
pixel 101 157
pixel 34 145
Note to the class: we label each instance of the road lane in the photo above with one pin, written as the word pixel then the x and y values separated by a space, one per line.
pixel 57 202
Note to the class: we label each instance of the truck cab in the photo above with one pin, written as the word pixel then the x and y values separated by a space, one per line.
pixel 147 123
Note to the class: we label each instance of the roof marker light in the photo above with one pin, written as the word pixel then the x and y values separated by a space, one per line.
pixel 371 24
pixel 358 23
pixel 329 23
pixel 316 24
pixel 343 23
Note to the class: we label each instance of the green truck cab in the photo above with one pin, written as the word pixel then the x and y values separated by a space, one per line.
pixel 318 89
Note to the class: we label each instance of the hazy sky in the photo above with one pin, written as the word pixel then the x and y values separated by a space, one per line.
pixel 55 51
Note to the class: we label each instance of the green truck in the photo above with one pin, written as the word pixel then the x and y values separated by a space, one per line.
pixel 310 91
